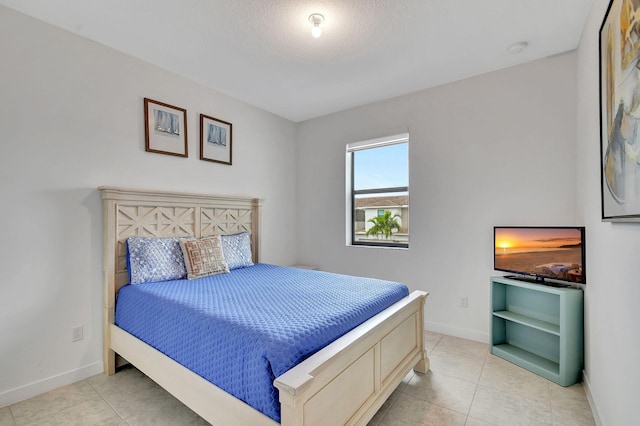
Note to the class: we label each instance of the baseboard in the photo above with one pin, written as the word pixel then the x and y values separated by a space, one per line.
pixel 592 403
pixel 457 332
pixel 45 385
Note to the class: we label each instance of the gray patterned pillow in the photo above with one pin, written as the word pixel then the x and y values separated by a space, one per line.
pixel 237 250
pixel 154 259
pixel 204 257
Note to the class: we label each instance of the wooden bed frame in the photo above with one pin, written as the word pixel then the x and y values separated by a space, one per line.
pixel 344 383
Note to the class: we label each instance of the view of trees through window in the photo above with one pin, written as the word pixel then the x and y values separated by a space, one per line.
pixel 380 193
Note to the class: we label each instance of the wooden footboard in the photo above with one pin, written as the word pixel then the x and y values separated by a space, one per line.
pixel 349 380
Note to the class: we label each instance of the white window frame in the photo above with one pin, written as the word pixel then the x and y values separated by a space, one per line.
pixel 350 192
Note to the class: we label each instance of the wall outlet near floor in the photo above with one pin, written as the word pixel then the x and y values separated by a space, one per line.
pixel 464 302
pixel 77 334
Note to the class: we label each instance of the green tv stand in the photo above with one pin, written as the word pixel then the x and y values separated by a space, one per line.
pixel 538 327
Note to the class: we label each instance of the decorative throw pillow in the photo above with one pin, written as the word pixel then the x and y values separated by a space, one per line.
pixel 204 257
pixel 237 250
pixel 154 259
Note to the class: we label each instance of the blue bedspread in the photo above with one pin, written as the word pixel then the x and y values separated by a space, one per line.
pixel 242 330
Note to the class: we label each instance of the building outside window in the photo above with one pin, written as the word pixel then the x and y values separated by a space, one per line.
pixel 378 192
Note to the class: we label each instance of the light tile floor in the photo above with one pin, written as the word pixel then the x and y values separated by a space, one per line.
pixel 466 386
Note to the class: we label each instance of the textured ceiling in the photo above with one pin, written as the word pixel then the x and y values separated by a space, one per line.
pixel 261 51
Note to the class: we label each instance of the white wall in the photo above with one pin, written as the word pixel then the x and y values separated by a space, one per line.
pixel 495 149
pixel 612 339
pixel 498 149
pixel 71 119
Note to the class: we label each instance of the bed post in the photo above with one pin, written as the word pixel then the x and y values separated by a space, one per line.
pixel 423 364
pixel 256 205
pixel 108 251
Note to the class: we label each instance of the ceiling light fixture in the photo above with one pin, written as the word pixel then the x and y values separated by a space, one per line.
pixel 316 19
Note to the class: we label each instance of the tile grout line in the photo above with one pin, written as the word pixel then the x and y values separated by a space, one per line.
pixel 13 418
pixel 444 374
pixel 69 407
pixel 475 391
pixel 553 419
pixel 108 403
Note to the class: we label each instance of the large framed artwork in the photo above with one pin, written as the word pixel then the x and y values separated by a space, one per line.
pixel 165 128
pixel 216 137
pixel 620 111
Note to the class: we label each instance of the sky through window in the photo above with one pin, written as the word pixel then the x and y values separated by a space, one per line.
pixel 383 167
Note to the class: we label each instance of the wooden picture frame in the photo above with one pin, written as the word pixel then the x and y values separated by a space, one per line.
pixel 619 106
pixel 216 138
pixel 165 128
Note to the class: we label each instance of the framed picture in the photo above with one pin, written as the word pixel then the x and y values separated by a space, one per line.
pixel 216 137
pixel 165 128
pixel 620 112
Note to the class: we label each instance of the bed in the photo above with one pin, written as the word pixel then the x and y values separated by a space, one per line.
pixel 345 382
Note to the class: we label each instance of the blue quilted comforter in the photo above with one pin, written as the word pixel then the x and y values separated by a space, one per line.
pixel 242 330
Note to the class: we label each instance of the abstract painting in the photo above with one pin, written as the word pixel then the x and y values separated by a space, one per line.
pixel 620 111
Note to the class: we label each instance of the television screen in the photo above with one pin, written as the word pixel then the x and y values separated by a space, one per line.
pixel 542 252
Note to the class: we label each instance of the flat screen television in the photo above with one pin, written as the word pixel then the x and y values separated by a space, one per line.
pixel 539 253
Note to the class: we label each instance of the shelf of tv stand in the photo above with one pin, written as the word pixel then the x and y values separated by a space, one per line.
pixel 547 327
pixel 526 359
pixel 538 327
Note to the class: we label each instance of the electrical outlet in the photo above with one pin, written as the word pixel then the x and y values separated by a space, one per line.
pixel 77 334
pixel 464 302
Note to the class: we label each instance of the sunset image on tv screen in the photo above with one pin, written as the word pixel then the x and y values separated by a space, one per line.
pixel 548 252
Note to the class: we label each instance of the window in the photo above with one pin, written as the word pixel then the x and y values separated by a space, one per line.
pixel 378 192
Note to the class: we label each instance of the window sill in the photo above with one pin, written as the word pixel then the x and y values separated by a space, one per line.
pixel 379 246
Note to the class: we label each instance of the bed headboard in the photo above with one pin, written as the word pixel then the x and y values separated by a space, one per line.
pixel 128 212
